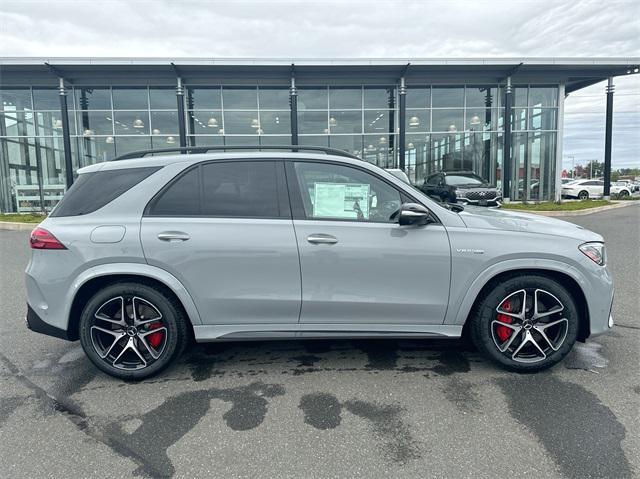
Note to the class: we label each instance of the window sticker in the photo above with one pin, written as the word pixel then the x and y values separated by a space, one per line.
pixel 341 200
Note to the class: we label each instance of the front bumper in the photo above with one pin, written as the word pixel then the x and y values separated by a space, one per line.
pixel 34 323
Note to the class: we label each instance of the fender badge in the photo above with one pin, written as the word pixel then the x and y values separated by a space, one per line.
pixel 468 250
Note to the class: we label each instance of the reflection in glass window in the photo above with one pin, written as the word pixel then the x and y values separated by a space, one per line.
pixel 275 122
pixel 130 99
pixel 96 150
pixel 316 140
pixel 448 97
pixel 313 122
pixel 375 97
pixel 49 123
pixel 165 141
pixel 481 96
pixel 164 122
pixel 345 121
pixel 241 122
pixel 240 98
pixel 479 119
pixel 543 96
pixel 312 99
pixel 205 140
pixel 275 140
pixel 542 118
pixel 18 123
pixel 92 123
pixel 519 96
pixel 379 121
pixel 417 120
pixel 418 97
pixel 204 98
pixel 127 144
pixel 46 99
pixel 249 141
pixel 93 98
pixel 345 98
pixel 205 122
pixel 163 98
pixel 519 117
pixel 446 151
pixel 15 99
pixel 273 98
pixel 131 122
pixel 448 120
pixel 350 143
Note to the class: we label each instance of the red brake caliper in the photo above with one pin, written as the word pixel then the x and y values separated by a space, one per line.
pixel 504 332
pixel 155 338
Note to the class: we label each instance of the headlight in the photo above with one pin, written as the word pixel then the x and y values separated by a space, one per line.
pixel 461 193
pixel 594 251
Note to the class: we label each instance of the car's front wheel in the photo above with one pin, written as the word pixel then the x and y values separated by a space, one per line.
pixel 583 195
pixel 132 330
pixel 525 323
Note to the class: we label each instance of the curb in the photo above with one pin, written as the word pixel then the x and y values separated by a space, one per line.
pixel 621 204
pixel 13 226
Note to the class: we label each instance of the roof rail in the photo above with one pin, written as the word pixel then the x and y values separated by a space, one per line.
pixel 205 149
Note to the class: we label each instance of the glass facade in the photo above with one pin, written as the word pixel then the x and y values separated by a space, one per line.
pixel 446 126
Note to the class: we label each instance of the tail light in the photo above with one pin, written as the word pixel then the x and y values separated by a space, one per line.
pixel 42 239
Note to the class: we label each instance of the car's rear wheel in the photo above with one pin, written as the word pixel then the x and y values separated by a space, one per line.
pixel 623 194
pixel 583 195
pixel 132 330
pixel 525 323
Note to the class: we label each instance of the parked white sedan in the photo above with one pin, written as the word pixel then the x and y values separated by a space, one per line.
pixel 585 189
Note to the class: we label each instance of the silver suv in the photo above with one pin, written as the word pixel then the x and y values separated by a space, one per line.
pixel 144 254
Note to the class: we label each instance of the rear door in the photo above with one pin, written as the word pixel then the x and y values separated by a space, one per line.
pixel 358 264
pixel 224 229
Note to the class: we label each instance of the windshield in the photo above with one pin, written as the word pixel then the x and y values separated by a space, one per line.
pixel 464 179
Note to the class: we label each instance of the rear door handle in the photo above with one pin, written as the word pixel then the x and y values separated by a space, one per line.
pixel 320 238
pixel 173 236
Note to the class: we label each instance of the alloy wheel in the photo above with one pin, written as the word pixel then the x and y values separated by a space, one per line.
pixel 529 325
pixel 128 332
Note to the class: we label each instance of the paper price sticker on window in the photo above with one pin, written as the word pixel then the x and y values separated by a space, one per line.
pixel 341 200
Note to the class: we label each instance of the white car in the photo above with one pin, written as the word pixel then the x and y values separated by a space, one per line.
pixel 585 189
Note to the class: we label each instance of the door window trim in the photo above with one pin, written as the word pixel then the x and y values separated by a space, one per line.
pixel 284 206
pixel 295 196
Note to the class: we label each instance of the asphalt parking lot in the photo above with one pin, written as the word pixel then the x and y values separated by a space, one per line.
pixel 310 409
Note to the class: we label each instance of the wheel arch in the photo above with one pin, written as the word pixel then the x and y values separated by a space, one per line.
pixel 562 277
pixel 92 282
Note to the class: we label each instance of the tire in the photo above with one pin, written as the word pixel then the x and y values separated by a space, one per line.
pixel 491 329
pixel 623 194
pixel 583 195
pixel 133 349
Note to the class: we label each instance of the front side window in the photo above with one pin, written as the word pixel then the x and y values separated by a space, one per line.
pixel 335 192
pixel 240 189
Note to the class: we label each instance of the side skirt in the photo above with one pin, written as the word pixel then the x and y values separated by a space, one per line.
pixel 226 332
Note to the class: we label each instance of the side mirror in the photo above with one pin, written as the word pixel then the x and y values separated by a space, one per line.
pixel 413 214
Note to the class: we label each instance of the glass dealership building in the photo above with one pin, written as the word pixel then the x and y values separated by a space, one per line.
pixel 421 115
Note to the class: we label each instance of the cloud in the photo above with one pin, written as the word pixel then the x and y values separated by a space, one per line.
pixel 359 28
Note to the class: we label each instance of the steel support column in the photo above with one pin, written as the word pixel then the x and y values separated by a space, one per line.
pixel 66 136
pixel 293 103
pixel 182 129
pixel 402 101
pixel 607 140
pixel 506 155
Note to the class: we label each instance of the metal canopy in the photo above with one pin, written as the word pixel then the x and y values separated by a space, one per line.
pixel 576 73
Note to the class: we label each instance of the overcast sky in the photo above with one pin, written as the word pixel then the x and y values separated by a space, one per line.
pixel 333 29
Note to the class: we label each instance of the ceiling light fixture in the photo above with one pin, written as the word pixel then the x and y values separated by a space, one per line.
pixel 109 140
pixel 88 132
pixel 255 123
pixel 452 129
pixel 414 121
pixel 333 122
pixel 475 120
pixel 138 123
pixel 155 131
pixel 171 140
pixel 57 124
pixel 410 146
pixel 212 123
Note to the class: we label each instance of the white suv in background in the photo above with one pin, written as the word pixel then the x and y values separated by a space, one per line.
pixel 585 189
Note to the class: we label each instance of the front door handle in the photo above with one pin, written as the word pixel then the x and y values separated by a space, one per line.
pixel 173 236
pixel 320 238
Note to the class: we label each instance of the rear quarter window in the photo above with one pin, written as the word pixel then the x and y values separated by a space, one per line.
pixel 92 191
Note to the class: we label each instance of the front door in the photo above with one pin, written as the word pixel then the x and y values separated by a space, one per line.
pixel 224 229
pixel 359 265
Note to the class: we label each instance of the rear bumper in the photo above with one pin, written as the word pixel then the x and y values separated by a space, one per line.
pixel 34 323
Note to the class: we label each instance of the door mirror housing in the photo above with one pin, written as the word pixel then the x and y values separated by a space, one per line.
pixel 413 214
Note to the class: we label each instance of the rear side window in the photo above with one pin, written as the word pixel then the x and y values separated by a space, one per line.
pixel 92 191
pixel 222 189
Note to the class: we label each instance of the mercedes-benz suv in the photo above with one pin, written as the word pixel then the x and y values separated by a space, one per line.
pixel 143 255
